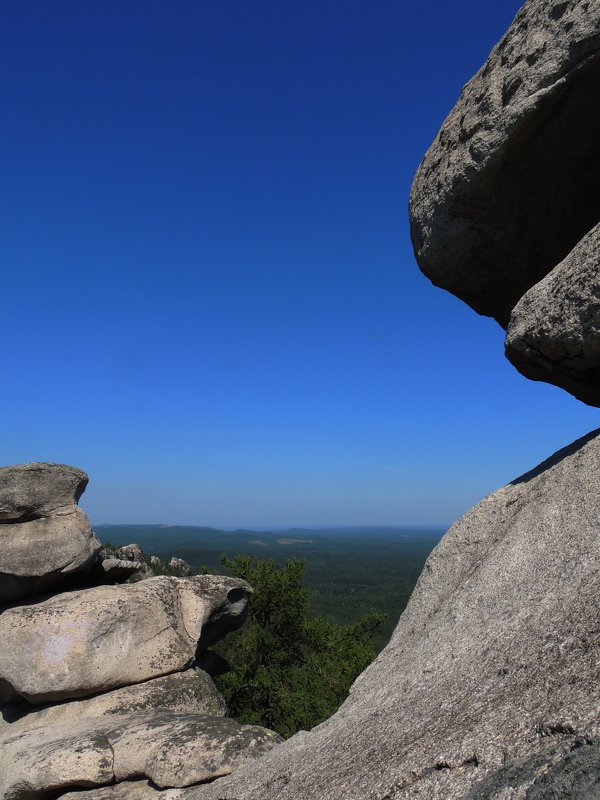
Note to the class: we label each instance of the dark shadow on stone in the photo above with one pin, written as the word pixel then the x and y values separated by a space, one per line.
pixel 552 775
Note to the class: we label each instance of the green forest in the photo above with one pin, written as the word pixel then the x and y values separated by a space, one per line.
pixel 324 603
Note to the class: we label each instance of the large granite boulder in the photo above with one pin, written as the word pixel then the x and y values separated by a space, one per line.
pixel 494 660
pixel 170 749
pixel 45 538
pixel 554 330
pixel 30 491
pixel 509 186
pixel 80 643
pixel 189 692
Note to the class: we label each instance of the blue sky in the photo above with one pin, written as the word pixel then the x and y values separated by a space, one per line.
pixel 210 298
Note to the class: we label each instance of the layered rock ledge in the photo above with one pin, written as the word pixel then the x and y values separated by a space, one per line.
pixel 45 538
pixel 101 684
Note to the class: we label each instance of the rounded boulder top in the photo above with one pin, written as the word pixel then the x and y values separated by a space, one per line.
pixel 37 489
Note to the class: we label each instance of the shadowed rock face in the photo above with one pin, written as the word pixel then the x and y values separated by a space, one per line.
pixel 190 691
pixel 509 189
pixel 554 330
pixel 509 186
pixel 567 773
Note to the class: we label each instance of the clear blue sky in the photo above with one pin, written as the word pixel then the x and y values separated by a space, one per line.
pixel 210 301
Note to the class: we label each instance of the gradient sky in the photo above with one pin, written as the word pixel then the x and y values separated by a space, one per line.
pixel 210 301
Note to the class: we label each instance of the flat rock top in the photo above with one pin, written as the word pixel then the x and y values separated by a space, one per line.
pixel 509 186
pixel 30 491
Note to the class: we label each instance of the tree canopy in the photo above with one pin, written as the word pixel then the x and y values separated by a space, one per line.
pixel 290 670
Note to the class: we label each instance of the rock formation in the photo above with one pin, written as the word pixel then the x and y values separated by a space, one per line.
pixel 120 563
pixel 554 330
pixel 102 684
pixel 169 748
pixel 45 538
pixel 490 686
pixel 136 632
pixel 508 190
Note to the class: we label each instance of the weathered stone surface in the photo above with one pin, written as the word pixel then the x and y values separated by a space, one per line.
pixel 81 643
pixel 495 658
pixel 118 570
pixel 172 750
pixel 39 554
pixel 44 536
pixel 127 790
pixel 118 564
pixel 190 692
pixel 554 330
pixel 180 565
pixel 509 185
pixel 571 773
pixel 29 491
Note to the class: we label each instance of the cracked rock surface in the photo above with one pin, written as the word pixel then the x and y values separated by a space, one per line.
pixel 494 660
pixel 30 491
pixel 190 691
pixel 171 749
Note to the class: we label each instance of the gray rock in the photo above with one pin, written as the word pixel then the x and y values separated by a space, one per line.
pixel 118 564
pixel 558 774
pixel 554 330
pixel 29 491
pixel 190 692
pixel 127 790
pixel 180 566
pixel 118 570
pixel 172 750
pixel 81 643
pixel 41 553
pixel 44 536
pixel 509 185
pixel 495 658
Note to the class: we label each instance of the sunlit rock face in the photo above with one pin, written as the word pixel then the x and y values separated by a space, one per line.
pixel 101 685
pixel 79 643
pixel 509 188
pixel 171 749
pixel 45 538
